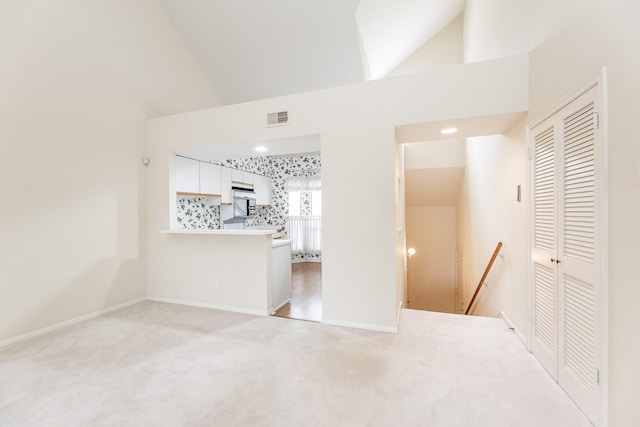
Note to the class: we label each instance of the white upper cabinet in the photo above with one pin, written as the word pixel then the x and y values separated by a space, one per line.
pixel 194 177
pixel 237 176
pixel 262 187
pixel 187 175
pixel 241 177
pixel 210 183
pixel 225 182
pixel 248 178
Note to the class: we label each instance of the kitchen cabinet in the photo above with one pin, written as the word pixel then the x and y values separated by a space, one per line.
pixel 225 184
pixel 210 179
pixel 242 177
pixel 187 178
pixel 262 187
pixel 237 176
pixel 194 177
pixel 281 271
pixel 248 178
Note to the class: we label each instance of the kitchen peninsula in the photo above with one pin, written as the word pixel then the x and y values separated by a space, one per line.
pixel 256 278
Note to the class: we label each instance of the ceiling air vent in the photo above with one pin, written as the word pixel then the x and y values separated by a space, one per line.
pixel 280 118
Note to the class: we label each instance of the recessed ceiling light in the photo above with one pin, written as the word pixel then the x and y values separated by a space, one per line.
pixel 261 149
pixel 449 131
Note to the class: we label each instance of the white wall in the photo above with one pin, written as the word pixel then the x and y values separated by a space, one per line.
pixel 78 80
pixel 443 49
pixel 488 212
pixel 362 257
pixel 498 28
pixel 431 283
pixel 192 277
pixel 568 49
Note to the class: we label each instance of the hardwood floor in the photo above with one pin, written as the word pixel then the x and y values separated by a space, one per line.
pixel 306 293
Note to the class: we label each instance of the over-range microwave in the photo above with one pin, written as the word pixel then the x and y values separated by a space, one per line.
pixel 244 203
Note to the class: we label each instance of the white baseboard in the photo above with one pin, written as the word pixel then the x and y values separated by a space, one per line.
pixel 509 323
pixel 213 306
pixel 68 322
pixel 367 326
pixel 298 261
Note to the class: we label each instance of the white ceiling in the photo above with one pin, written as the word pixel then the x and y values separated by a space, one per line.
pixel 257 49
pixel 495 124
pixel 391 31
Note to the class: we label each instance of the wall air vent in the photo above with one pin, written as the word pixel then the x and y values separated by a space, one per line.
pixel 280 118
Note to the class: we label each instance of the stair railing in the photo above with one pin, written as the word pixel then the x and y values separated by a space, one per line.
pixel 484 276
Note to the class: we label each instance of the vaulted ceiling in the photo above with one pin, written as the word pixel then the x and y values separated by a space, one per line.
pixel 256 49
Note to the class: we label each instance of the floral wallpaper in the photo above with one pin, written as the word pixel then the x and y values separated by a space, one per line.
pixel 201 213
pixel 305 203
pixel 198 213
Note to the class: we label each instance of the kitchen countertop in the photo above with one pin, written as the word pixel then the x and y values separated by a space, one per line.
pixel 225 232
pixel 280 242
pixel 251 232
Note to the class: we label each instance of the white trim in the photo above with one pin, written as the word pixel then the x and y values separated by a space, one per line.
pixel 398 317
pixel 368 326
pixel 566 100
pixel 212 306
pixel 511 325
pixel 273 311
pixel 530 219
pixel 68 322
pixel 604 248
pixel 298 261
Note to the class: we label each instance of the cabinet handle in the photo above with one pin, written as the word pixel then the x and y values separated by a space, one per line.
pixel 557 261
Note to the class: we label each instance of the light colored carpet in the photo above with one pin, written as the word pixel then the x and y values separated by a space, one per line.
pixel 155 364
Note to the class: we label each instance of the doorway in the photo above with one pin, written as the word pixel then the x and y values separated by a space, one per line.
pixel 306 293
pixel 302 184
pixel 433 176
pixel 431 275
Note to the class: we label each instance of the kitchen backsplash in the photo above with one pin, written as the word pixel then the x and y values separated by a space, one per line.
pixel 199 213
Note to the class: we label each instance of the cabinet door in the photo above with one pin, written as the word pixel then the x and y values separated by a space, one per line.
pixel 249 178
pixel 187 175
pixel 237 176
pixel 262 187
pixel 210 179
pixel 225 185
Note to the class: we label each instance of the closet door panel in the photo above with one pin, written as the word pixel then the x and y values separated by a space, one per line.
pixel 579 248
pixel 544 249
pixel 579 207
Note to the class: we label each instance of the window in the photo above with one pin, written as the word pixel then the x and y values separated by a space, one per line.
pixel 305 223
pixel 305 197
pixel 294 203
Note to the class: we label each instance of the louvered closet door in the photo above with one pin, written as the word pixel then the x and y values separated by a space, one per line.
pixel 566 249
pixel 579 270
pixel 544 186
